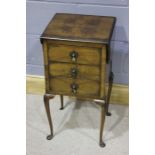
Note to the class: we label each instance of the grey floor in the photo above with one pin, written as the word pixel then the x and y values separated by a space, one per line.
pixel 76 128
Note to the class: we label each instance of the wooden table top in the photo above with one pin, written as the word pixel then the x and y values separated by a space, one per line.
pixel 82 28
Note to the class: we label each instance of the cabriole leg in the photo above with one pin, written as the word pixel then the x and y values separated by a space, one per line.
pixel 47 97
pixel 101 143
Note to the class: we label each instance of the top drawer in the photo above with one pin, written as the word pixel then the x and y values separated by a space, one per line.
pixel 74 54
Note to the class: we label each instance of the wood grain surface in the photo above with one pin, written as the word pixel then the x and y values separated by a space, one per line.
pixel 81 28
pixel 86 88
pixel 83 71
pixel 86 55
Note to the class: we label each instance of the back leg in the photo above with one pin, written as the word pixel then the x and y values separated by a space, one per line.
pixel 62 102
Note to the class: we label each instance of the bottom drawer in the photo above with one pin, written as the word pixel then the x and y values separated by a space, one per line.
pixel 77 87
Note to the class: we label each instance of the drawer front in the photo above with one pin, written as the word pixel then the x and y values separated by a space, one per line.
pixel 74 71
pixel 78 87
pixel 74 54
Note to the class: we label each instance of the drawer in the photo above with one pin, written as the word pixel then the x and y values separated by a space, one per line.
pixel 74 71
pixel 78 87
pixel 74 54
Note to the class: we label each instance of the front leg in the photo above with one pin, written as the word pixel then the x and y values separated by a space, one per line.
pixel 47 97
pixel 102 144
pixel 102 104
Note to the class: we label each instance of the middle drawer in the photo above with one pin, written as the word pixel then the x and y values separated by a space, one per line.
pixel 74 71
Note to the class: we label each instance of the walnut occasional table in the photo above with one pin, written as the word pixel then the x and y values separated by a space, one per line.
pixel 76 53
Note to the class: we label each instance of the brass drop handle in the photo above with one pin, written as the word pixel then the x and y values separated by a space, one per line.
pixel 74 72
pixel 74 88
pixel 74 56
